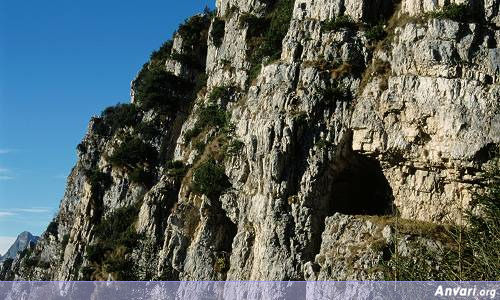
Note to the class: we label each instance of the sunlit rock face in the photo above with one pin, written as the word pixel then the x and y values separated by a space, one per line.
pixel 318 136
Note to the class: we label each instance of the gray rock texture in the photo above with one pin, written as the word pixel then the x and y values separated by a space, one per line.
pixel 337 131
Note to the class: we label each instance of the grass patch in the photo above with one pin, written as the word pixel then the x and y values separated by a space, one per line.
pixel 340 22
pixel 115 237
pixel 471 252
pixel 209 116
pixel 452 11
pixel 378 68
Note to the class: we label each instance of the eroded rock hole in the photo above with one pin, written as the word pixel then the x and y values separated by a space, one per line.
pixel 360 187
pixel 223 243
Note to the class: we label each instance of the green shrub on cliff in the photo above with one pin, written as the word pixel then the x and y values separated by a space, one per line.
pixel 159 89
pixel 265 35
pixel 452 11
pixel 142 176
pixel 163 52
pixel 194 33
pixel 339 22
pixel 132 152
pixel 376 33
pixel 98 179
pixel 114 118
pixel 218 27
pixel 209 116
pixel 155 88
pixel 222 93
pixel 176 169
pixel 210 179
pixel 114 237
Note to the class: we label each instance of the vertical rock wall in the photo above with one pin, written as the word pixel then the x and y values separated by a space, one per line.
pixel 338 124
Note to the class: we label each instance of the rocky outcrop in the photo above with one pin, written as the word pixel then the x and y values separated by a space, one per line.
pixel 24 240
pixel 276 160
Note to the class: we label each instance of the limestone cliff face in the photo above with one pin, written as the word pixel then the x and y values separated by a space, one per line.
pixel 342 122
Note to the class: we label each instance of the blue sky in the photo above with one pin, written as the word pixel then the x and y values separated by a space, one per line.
pixel 60 63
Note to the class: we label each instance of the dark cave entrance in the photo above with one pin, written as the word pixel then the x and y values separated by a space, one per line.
pixel 359 186
pixel 222 238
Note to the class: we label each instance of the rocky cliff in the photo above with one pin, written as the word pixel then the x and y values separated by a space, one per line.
pixel 285 140
pixel 24 240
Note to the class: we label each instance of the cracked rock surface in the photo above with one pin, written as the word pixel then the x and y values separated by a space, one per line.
pixel 336 129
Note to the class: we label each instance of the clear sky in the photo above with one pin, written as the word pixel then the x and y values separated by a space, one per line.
pixel 60 63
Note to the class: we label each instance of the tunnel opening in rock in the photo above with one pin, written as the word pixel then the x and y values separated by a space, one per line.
pixel 361 188
pixel 223 240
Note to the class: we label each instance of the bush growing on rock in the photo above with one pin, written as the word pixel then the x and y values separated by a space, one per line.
pixel 5 268
pixel 163 52
pixel 176 169
pixel 223 93
pixel 210 179
pixel 81 148
pixel 141 176
pixel 194 29
pixel 339 22
pixel 131 152
pixel 452 11
pixel 159 89
pixel 156 88
pixel 118 226
pixel 265 35
pixel 121 115
pixel 194 32
pixel 209 116
pixel 234 148
pixel 148 131
pixel 99 127
pixel 98 179
pixel 218 27
pixel 53 227
pixel 376 33
pixel 114 236
pixel 337 92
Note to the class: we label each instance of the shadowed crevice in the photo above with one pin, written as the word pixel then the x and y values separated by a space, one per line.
pixel 359 186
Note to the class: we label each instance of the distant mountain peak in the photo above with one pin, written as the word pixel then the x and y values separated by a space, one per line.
pixel 23 241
